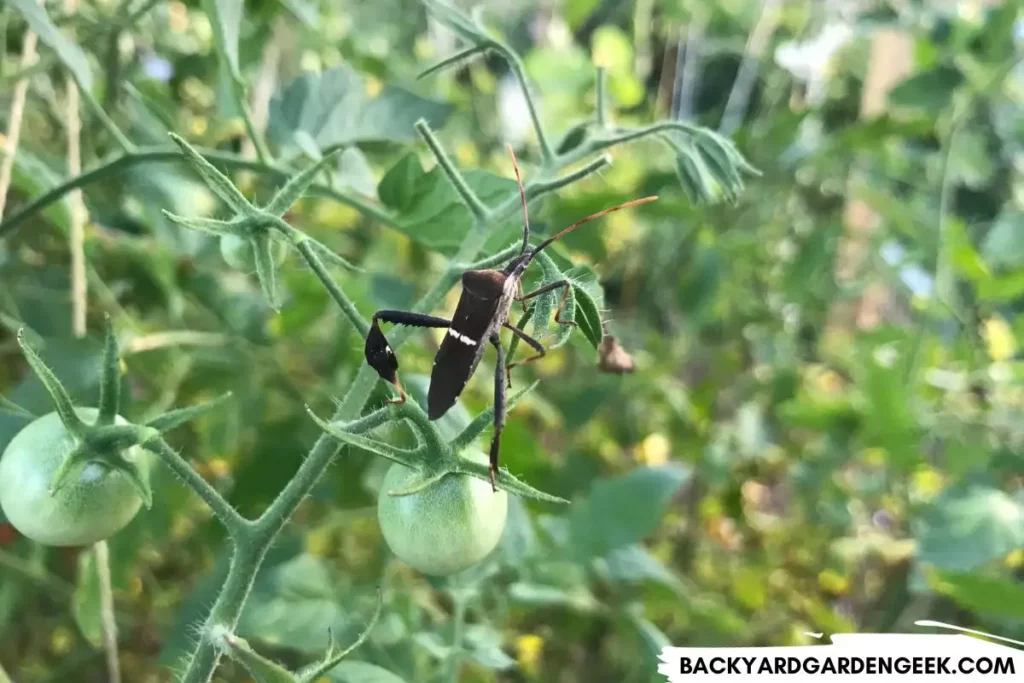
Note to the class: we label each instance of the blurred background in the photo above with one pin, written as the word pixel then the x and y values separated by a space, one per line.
pixel 828 370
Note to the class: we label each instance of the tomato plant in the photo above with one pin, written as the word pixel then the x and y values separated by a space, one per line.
pixel 94 504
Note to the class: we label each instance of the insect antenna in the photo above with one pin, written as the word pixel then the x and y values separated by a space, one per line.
pixel 558 235
pixel 522 196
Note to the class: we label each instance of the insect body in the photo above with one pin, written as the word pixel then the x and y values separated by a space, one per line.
pixel 482 312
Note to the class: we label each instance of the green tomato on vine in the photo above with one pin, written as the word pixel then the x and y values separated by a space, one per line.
pixel 94 504
pixel 445 528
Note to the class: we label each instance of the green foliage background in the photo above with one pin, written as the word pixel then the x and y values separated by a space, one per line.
pixel 762 474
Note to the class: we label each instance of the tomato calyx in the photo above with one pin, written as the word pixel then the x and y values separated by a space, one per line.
pixel 104 445
pixel 433 459
pixel 260 226
pixel 107 440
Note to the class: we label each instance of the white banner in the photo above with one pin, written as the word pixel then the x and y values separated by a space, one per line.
pixel 854 657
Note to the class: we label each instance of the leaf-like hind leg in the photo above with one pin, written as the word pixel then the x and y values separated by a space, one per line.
pixel 565 284
pixel 499 407
pixel 378 352
pixel 536 345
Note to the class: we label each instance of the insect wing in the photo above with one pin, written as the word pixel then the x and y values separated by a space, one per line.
pixel 460 352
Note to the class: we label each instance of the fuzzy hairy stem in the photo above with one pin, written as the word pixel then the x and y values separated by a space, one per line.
pixel 516 64
pixel 236 525
pixel 120 162
pixel 305 248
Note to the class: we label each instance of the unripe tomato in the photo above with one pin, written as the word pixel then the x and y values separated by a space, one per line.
pixel 238 252
pixel 90 507
pixel 448 527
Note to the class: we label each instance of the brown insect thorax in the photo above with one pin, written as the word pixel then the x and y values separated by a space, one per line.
pixel 492 286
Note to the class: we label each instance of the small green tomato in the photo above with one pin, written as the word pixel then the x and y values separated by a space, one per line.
pixel 448 527
pixel 238 252
pixel 92 506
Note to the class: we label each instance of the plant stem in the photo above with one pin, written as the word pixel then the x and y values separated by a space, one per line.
pixel 236 525
pixel 516 64
pixel 458 625
pixel 146 155
pixel 601 104
pixel 28 55
pixel 255 136
pixel 346 305
pixel 107 612
pixel 455 177
pixel 39 575
pixel 226 611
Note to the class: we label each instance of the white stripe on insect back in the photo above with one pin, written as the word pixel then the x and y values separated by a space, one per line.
pixel 468 341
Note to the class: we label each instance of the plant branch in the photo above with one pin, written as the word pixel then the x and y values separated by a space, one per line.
pixel 516 64
pixel 121 162
pixel 305 248
pixel 236 525
pixel 466 193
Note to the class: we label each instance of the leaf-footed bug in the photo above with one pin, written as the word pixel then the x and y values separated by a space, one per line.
pixel 481 313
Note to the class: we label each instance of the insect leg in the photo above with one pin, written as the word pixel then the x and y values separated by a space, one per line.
pixel 565 284
pixel 499 407
pixel 537 346
pixel 379 355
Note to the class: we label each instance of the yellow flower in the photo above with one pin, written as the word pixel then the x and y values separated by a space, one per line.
pixel 529 649
pixel 999 339
pixel 654 450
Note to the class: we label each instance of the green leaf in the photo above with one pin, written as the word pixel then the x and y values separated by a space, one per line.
pixel 588 317
pixel 85 601
pixel 992 595
pixel 361 672
pixel 484 645
pixel 623 510
pixel 428 208
pixel 354 172
pixel 634 564
pixel 295 605
pixel 334 108
pixel 70 54
pixel 967 526
pixel 540 596
pixel 1004 244
pixel 519 540
pixel 929 90
pixel 459 23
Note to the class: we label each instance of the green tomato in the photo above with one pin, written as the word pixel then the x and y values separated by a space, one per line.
pixel 238 252
pixel 93 506
pixel 447 527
